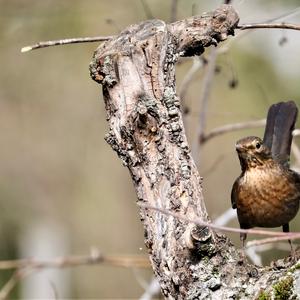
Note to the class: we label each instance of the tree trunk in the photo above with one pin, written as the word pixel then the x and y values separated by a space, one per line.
pixel 137 72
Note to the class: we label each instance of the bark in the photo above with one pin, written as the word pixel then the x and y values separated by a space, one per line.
pixel 137 72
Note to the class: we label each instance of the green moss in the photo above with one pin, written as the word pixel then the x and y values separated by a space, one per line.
pixel 294 268
pixel 264 296
pixel 283 289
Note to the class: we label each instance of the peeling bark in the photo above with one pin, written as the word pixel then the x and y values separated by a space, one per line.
pixel 137 72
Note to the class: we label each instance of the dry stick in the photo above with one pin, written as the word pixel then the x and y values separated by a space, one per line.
pixel 271 240
pixel 54 289
pixel 281 235
pixel 12 282
pixel 238 126
pixel 45 44
pixel 231 127
pixel 224 48
pixel 26 267
pixel 197 64
pixel 269 26
pixel 207 83
pixel 285 15
pixel 76 260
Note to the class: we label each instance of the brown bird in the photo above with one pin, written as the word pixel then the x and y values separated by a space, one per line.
pixel 267 193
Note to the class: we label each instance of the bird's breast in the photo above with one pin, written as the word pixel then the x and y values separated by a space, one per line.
pixel 266 197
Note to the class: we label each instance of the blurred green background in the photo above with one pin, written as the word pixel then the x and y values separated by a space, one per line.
pixel 63 190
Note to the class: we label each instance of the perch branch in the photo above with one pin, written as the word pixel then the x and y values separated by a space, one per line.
pixel 206 88
pixel 12 282
pixel 280 235
pixel 45 44
pixel 197 64
pixel 231 127
pixel 76 260
pixel 269 26
pixel 25 267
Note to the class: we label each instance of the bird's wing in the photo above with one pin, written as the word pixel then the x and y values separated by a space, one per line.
pixel 234 193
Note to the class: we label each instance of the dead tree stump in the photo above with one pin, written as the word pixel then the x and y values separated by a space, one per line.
pixel 137 72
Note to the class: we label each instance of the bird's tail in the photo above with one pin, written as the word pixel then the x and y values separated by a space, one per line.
pixel 281 121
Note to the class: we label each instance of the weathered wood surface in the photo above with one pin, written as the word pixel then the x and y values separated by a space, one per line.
pixel 137 72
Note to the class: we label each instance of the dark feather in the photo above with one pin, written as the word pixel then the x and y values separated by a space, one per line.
pixel 278 133
pixel 269 130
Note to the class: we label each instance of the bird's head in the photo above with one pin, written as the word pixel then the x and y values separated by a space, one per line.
pixel 252 152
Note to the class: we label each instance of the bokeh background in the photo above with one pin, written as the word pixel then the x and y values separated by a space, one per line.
pixel 63 190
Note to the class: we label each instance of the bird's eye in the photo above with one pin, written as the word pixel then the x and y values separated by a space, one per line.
pixel 257 145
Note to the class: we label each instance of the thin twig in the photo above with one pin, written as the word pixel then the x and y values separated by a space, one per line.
pixel 45 44
pixel 226 46
pixel 12 282
pixel 197 64
pixel 76 260
pixel 25 267
pixel 285 15
pixel 231 127
pixel 295 235
pixel 199 222
pixel 206 88
pixel 269 26
pixel 54 289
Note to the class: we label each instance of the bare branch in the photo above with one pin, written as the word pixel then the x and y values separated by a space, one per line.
pixel 196 221
pixel 77 260
pixel 197 64
pixel 26 267
pixel 269 26
pixel 45 44
pixel 294 235
pixel 207 83
pixel 225 48
pixel 231 127
pixel 12 282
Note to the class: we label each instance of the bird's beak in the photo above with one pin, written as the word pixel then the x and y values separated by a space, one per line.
pixel 239 148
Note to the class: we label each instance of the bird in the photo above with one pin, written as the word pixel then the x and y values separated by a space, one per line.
pixel 267 192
